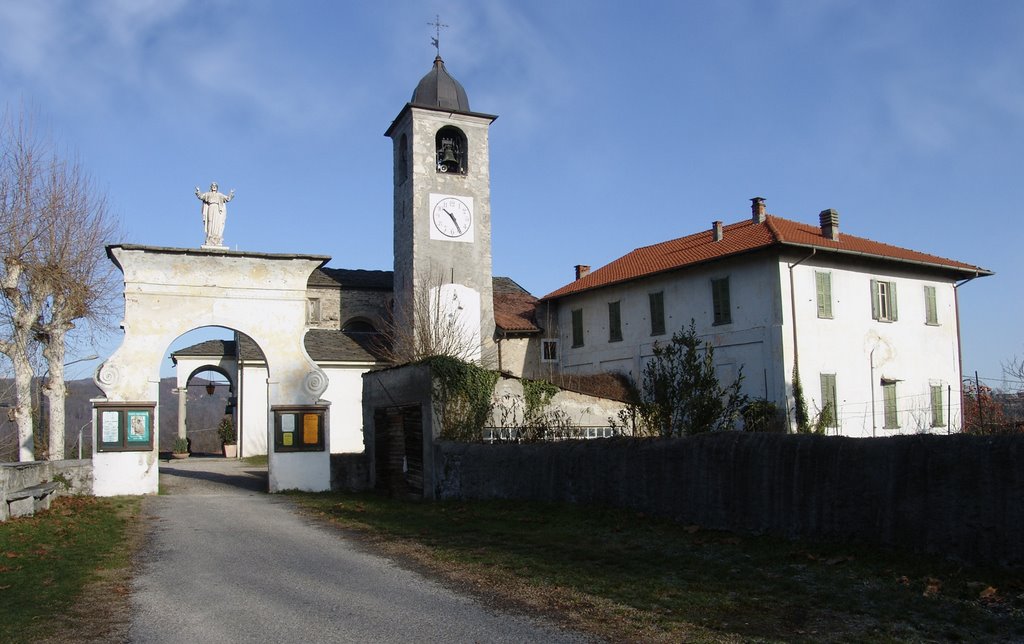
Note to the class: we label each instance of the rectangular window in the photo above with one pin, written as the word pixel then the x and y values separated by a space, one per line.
pixel 931 312
pixel 823 285
pixel 549 350
pixel 313 310
pixel 720 301
pixel 614 322
pixel 657 312
pixel 891 420
pixel 829 404
pixel 938 420
pixel 577 327
pixel 883 301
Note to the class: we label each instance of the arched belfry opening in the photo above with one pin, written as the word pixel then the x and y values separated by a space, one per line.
pixel 170 291
pixel 451 149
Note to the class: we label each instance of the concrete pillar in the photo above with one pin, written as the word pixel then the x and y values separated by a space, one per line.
pixel 182 400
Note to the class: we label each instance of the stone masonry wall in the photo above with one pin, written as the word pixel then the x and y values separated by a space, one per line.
pixel 958 496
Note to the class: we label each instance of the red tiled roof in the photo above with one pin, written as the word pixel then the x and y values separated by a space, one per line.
pixel 514 307
pixel 743 237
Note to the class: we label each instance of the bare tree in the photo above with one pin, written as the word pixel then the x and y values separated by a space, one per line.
pixel 429 323
pixel 54 271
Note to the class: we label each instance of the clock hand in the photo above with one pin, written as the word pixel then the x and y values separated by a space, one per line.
pixel 457 226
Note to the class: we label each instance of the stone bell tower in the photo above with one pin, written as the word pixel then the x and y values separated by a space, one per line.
pixel 442 211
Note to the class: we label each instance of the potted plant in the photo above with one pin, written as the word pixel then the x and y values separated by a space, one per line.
pixel 180 449
pixel 228 437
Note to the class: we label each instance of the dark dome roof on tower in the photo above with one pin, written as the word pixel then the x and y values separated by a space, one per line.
pixel 439 89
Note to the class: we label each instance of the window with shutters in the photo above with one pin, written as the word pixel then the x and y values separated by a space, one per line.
pixel 614 322
pixel 577 327
pixel 829 400
pixel 938 419
pixel 720 301
pixel 883 301
pixel 891 418
pixel 823 285
pixel 657 301
pixel 931 312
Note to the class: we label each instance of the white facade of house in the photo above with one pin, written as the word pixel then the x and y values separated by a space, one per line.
pixel 859 352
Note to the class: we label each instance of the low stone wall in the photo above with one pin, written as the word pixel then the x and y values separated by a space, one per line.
pixel 75 477
pixel 959 496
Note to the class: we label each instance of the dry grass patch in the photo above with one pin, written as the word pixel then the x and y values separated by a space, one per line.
pixel 65 573
pixel 624 576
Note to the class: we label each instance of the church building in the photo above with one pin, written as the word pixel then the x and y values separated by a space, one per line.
pixel 871 330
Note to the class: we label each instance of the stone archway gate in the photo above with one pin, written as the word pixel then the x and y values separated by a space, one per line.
pixel 170 291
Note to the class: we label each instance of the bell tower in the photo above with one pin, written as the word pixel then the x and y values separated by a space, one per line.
pixel 442 210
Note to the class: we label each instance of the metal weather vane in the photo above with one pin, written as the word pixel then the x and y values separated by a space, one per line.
pixel 436 40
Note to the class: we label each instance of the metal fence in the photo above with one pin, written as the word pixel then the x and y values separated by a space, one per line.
pixel 547 434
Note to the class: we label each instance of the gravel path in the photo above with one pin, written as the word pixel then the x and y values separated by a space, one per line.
pixel 224 562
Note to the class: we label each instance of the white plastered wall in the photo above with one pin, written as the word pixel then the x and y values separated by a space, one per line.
pixel 169 292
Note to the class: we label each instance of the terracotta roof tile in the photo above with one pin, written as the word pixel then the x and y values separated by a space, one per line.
pixel 514 307
pixel 743 237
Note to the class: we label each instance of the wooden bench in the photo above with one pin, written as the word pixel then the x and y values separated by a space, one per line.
pixel 27 501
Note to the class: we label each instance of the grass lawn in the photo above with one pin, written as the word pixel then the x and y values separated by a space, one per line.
pixel 61 571
pixel 625 576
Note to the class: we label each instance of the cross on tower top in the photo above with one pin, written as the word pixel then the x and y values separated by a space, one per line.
pixel 436 40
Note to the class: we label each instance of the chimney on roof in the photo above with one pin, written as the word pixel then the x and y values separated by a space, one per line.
pixel 582 270
pixel 716 230
pixel 829 220
pixel 757 210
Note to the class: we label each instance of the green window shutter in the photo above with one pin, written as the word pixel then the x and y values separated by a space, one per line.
pixel 937 417
pixel 657 301
pixel 931 311
pixel 829 398
pixel 614 322
pixel 891 420
pixel 720 301
pixel 823 285
pixel 874 299
pixel 893 315
pixel 577 327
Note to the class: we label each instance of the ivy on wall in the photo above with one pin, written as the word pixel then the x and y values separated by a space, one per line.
pixel 463 397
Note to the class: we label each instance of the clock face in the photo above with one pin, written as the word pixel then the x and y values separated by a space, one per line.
pixel 452 217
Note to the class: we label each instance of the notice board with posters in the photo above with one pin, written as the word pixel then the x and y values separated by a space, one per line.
pixel 300 429
pixel 124 427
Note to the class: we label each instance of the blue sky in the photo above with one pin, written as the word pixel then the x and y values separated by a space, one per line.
pixel 621 124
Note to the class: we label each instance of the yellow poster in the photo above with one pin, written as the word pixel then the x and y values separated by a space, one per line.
pixel 286 439
pixel 310 429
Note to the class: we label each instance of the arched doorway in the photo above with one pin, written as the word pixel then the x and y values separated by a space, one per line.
pixel 169 291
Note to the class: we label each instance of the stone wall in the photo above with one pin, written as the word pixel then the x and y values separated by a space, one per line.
pixel 75 477
pixel 958 496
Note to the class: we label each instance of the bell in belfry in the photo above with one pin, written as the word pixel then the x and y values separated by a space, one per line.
pixel 448 160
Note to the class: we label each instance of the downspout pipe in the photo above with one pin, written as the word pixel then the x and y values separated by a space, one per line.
pixel 792 304
pixel 959 347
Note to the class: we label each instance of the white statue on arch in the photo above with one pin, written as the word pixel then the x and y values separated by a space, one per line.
pixel 215 214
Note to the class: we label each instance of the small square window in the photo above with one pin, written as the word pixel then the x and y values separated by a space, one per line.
pixel 549 350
